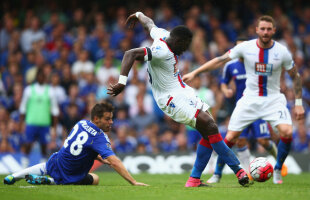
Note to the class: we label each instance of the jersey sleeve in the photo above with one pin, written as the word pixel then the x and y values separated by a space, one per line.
pixel 157 51
pixel 236 52
pixel 103 147
pixel 159 33
pixel 288 62
pixel 226 76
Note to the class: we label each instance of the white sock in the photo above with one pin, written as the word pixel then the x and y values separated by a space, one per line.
pixel 39 169
pixel 25 161
pixel 52 181
pixel 244 157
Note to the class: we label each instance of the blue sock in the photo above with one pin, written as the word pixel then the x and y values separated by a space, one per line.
pixel 283 150
pixel 219 166
pixel 202 159
pixel 224 152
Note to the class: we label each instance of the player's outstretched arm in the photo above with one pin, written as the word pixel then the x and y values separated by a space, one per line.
pixel 210 65
pixel 129 58
pixel 118 166
pixel 228 92
pixel 146 22
pixel 299 109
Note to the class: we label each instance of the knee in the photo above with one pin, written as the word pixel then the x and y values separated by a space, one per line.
pixel 286 131
pixel 95 179
pixel 206 125
pixel 232 136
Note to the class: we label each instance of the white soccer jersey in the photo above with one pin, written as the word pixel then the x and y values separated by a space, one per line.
pixel 164 74
pixel 263 66
pixel 172 95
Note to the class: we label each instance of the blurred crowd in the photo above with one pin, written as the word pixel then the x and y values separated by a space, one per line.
pixel 79 47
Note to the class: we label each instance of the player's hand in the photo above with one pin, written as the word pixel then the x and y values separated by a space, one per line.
pixel 228 93
pixel 188 77
pixel 299 112
pixel 140 184
pixel 114 90
pixel 131 21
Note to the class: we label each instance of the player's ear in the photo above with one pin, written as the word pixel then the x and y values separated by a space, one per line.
pixel 256 28
pixel 95 119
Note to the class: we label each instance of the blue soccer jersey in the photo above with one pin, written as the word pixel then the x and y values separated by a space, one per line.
pixel 74 160
pixel 234 70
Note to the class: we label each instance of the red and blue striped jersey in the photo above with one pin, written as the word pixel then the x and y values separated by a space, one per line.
pixel 263 66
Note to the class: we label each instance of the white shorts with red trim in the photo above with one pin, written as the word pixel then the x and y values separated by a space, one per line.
pixel 183 107
pixel 271 108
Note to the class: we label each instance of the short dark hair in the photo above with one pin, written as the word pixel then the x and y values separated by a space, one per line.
pixel 181 32
pixel 101 108
pixel 266 18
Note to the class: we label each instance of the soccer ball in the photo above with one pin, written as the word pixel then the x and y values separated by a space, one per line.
pixel 260 169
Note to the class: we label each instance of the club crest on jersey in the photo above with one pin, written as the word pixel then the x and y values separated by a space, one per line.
pixel 172 105
pixel 109 146
pixel 263 69
pixel 155 49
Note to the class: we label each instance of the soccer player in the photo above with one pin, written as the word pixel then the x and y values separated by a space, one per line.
pixel 85 143
pixel 264 60
pixel 173 96
pixel 234 70
pixel 40 110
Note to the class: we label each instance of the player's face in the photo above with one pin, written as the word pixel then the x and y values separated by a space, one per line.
pixel 182 46
pixel 105 122
pixel 265 31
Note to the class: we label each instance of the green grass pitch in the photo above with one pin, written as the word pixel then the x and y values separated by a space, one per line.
pixel 112 186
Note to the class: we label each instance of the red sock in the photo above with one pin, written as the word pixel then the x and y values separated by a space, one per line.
pixel 215 138
pixel 205 143
pixel 286 140
pixel 228 143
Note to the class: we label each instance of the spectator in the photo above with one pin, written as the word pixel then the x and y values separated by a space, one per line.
pixel 32 34
pixel 5 145
pixel 73 98
pixel 124 143
pixel 57 89
pixel 142 119
pixel 5 32
pixel 168 143
pixel 107 70
pixel 82 65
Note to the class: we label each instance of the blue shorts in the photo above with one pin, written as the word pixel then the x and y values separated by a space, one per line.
pixel 258 129
pixel 62 179
pixel 37 132
pixel 52 169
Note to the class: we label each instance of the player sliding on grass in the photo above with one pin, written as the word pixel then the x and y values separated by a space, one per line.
pixel 85 143
pixel 264 60
pixel 175 98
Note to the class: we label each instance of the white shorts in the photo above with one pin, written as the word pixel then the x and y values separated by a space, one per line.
pixel 183 107
pixel 248 109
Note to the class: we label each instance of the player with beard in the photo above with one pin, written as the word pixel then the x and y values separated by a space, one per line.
pixel 264 60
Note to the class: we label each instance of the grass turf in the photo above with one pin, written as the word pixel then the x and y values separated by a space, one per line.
pixel 166 187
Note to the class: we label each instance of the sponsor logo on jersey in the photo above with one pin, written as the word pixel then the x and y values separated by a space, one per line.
pixel 263 69
pixel 241 76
